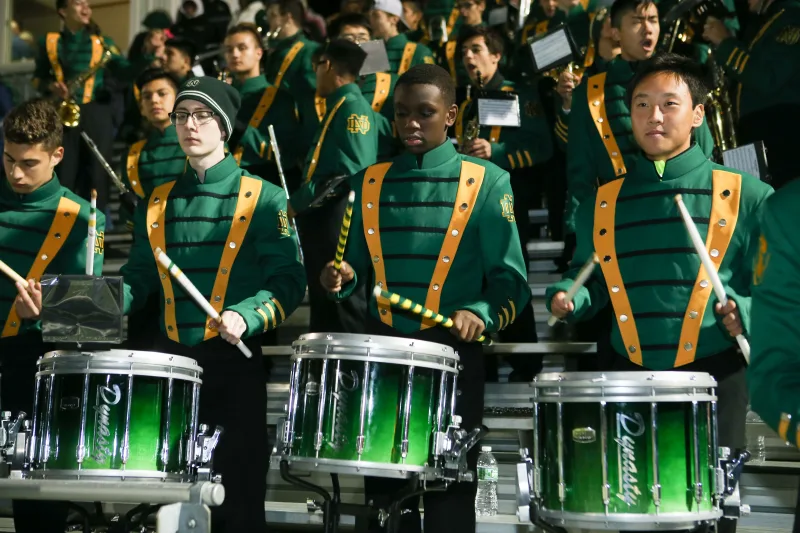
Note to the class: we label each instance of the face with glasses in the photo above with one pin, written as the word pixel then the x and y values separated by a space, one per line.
pixel 356 34
pixel 78 11
pixel 199 128
pixel 471 11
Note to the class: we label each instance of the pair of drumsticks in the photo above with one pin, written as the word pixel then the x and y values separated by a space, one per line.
pixel 705 258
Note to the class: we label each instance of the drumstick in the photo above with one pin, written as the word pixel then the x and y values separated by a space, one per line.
pixel 16 278
pixel 711 270
pixel 198 298
pixel 348 213
pixel 404 303
pixel 92 235
pixel 583 275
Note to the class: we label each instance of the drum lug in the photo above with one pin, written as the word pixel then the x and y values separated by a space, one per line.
pixel 360 445
pixel 441 443
pixel 404 449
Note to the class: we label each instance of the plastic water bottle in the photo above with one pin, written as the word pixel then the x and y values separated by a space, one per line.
pixel 756 441
pixel 486 498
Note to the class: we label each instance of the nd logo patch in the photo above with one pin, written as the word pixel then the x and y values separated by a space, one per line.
pixel 283 224
pixel 762 261
pixel 358 124
pixel 99 242
pixel 507 205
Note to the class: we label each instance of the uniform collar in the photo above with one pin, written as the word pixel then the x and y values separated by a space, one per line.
pixel 677 167
pixel 75 35
pixel 218 173
pixel 620 66
pixel 440 155
pixel 251 84
pixel 41 195
pixel 398 41
pixel 344 90
pixel 496 83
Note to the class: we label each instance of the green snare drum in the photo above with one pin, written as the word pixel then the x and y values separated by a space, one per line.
pixel 114 414
pixel 369 405
pixel 625 450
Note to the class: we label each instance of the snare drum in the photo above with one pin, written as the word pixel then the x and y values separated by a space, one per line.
pixel 368 405
pixel 114 415
pixel 625 450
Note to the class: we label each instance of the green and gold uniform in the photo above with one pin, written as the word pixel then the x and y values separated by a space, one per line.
pixel 289 64
pixel 151 162
pixel 766 70
pixel 203 227
pixel 264 104
pixel 774 365
pixel 44 232
pixel 378 90
pixel 601 144
pixel 449 57
pixel 649 270
pixel 512 148
pixel 404 54
pixel 446 9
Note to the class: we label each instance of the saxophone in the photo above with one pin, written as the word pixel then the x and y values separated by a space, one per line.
pixel 720 113
pixel 473 128
pixel 69 111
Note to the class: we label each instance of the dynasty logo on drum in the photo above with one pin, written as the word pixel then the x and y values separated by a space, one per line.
pixel 106 398
pixel 628 429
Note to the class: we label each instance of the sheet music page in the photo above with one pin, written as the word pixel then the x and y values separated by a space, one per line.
pixel 498 16
pixel 498 112
pixel 743 158
pixel 551 49
pixel 377 60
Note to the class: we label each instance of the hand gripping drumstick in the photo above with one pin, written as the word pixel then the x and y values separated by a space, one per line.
pixel 583 275
pixel 90 241
pixel 348 213
pixel 198 298
pixel 8 271
pixel 711 270
pixel 404 303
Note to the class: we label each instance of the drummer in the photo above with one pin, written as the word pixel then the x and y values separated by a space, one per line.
pixel 229 233
pixel 36 214
pixel 473 272
pixel 667 316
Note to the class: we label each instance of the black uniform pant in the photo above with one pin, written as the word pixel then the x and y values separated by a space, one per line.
pixel 453 509
pixel 234 396
pixel 80 171
pixel 728 368
pixel 319 235
pixel 18 357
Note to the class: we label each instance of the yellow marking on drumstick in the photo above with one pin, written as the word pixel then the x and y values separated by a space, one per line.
pixel 344 231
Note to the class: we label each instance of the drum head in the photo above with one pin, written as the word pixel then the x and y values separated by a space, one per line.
pixel 614 386
pixel 397 350
pixel 119 361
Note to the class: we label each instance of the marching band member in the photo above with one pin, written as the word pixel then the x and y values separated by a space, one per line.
pixel 765 70
pixel 346 142
pixel 229 232
pixel 447 54
pixel 179 54
pixel 386 17
pixel 63 57
pixel 262 104
pixel 665 314
pixel 44 231
pixel 406 236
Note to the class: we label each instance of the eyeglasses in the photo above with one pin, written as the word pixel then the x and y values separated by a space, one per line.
pixel 180 118
pixel 355 37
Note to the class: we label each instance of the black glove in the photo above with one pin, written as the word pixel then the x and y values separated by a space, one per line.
pixel 129 201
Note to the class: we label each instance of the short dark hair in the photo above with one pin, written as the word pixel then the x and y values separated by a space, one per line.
pixel 246 27
pixel 33 122
pixel 682 68
pixel 61 4
pixel 294 8
pixel 153 74
pixel 493 40
pixel 346 57
pixel 348 19
pixel 435 75
pixel 184 45
pixel 622 7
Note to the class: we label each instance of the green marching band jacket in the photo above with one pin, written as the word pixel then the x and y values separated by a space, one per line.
pixel 774 372
pixel 231 237
pixel 601 144
pixel 440 232
pixel 663 300
pixel 63 56
pixel 150 162
pixel 346 142
pixel 512 148
pixel 44 232
pixel 404 54
pixel 264 104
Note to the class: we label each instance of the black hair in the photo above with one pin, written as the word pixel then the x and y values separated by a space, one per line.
pixel 294 8
pixel 184 46
pixel 246 27
pixel 493 40
pixel 435 75
pixel 61 4
pixel 346 57
pixel 348 19
pixel 32 122
pixel 682 68
pixel 153 74
pixel 622 7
